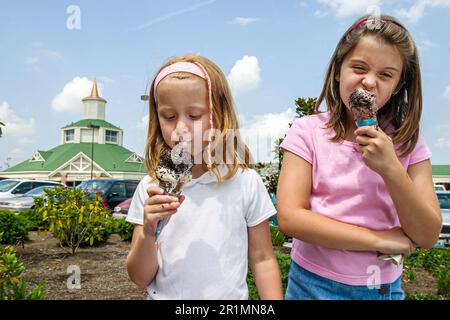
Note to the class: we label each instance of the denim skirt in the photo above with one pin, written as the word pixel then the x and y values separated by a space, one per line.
pixel 305 285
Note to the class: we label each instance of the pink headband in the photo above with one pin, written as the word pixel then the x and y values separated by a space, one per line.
pixel 188 67
pixel 370 20
pixel 197 69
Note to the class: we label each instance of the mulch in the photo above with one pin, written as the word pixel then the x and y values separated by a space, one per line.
pixel 103 270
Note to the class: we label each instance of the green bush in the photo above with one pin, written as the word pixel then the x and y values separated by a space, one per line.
pixel 420 296
pixel 437 262
pixel 284 263
pixel 278 237
pixel 443 283
pixel 73 219
pixel 35 220
pixel 13 227
pixel 124 229
pixel 12 286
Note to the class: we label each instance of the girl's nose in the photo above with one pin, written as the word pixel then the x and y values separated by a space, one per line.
pixel 369 82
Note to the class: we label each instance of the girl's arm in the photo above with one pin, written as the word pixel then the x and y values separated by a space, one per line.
pixel 263 263
pixel 412 191
pixel 142 263
pixel 416 203
pixel 297 220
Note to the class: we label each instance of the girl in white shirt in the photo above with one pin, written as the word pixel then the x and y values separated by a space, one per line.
pixel 220 223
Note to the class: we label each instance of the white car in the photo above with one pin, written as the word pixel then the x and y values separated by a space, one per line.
pixel 444 203
pixel 10 188
pixel 25 201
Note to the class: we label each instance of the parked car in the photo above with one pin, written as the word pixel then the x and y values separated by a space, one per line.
pixel 15 187
pixel 439 187
pixel 25 201
pixel 444 203
pixel 121 210
pixel 111 191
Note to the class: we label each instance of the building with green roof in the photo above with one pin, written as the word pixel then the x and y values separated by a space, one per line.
pixel 441 175
pixel 90 148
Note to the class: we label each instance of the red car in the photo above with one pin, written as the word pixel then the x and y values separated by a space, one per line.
pixel 121 210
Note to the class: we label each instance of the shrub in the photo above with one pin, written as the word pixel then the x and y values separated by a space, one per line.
pixel 437 262
pixel 124 229
pixel 284 262
pixel 13 227
pixel 35 220
pixel 12 286
pixel 73 219
pixel 420 296
pixel 443 283
pixel 278 237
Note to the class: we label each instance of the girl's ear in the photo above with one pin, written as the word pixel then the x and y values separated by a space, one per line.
pixel 337 77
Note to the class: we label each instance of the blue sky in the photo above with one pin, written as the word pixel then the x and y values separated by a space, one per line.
pixel 271 51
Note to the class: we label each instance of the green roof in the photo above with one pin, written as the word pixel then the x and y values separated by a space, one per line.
pixel 110 157
pixel 45 154
pixel 95 122
pixel 441 170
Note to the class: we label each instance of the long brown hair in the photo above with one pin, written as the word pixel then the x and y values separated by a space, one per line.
pixel 224 119
pixel 404 108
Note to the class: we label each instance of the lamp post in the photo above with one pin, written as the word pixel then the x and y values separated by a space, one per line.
pixel 93 127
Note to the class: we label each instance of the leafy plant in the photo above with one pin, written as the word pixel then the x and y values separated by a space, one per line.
pixel 73 219
pixel 124 229
pixel 437 262
pixel 278 237
pixel 13 227
pixel 284 263
pixel 12 286
pixel 35 220
pixel 303 108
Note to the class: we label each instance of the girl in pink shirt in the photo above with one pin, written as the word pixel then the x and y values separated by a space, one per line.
pixel 351 196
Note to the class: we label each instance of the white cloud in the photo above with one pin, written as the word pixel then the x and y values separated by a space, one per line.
pixel 442 143
pixel 425 44
pixel 31 60
pixel 13 157
pixel 172 15
pixel 319 13
pixel 245 21
pixel 260 133
pixel 245 75
pixel 345 8
pixel 416 11
pixel 15 125
pixel 447 92
pixel 143 123
pixel 69 99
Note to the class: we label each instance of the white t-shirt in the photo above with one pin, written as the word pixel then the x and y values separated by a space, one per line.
pixel 203 250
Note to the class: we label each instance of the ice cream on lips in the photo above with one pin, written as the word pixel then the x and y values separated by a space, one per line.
pixel 364 108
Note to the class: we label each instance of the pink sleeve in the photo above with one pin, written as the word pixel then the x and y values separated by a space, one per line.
pixel 420 153
pixel 299 140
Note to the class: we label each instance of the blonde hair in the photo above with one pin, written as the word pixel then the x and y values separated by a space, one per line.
pixel 224 119
pixel 404 108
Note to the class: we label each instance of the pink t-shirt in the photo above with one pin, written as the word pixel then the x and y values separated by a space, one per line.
pixel 345 189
